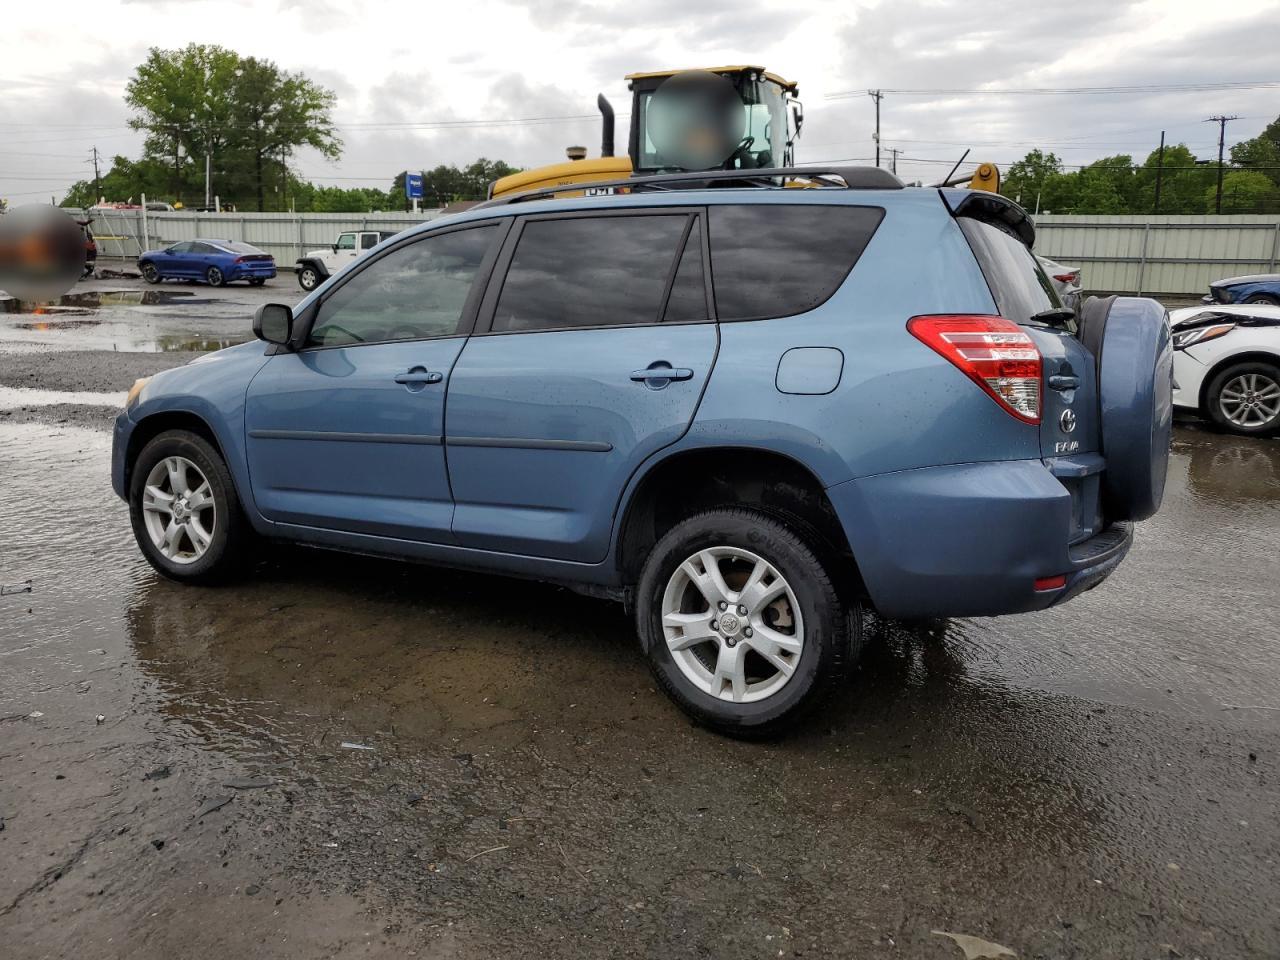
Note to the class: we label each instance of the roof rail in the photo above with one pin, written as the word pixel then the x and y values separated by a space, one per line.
pixel 851 178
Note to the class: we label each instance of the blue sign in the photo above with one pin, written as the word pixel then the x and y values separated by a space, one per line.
pixel 413 186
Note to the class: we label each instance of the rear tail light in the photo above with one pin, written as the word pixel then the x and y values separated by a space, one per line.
pixel 241 259
pixel 1067 277
pixel 993 352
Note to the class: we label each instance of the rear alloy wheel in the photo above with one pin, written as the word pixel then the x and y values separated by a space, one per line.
pixel 308 279
pixel 214 277
pixel 183 507
pixel 150 273
pixel 1245 398
pixel 741 623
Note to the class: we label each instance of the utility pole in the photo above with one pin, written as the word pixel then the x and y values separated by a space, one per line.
pixel 208 164
pixel 877 96
pixel 893 161
pixel 97 180
pixel 1222 137
pixel 1159 171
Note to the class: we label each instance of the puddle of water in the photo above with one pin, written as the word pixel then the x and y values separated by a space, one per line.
pixel 93 299
pixel 59 324
pixel 12 398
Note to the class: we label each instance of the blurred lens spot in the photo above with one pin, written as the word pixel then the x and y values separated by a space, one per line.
pixel 41 252
pixel 696 120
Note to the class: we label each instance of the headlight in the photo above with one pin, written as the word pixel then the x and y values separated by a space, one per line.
pixel 135 390
pixel 1187 338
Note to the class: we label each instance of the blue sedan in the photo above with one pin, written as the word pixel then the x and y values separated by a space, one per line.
pixel 216 262
pixel 1258 288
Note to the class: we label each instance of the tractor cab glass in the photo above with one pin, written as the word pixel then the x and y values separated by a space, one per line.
pixel 705 121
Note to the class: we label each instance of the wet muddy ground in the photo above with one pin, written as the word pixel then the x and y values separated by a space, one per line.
pixel 349 757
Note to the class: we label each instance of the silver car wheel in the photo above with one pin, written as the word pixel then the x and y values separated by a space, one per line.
pixel 178 509
pixel 732 624
pixel 1250 400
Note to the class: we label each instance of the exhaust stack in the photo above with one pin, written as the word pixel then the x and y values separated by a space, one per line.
pixel 606 124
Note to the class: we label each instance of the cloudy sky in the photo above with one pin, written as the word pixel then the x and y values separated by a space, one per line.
pixel 400 67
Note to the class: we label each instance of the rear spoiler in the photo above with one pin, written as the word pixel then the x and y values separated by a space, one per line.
pixel 993 209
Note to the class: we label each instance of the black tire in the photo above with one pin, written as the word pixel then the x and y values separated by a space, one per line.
pixel 232 533
pixel 150 273
pixel 1263 298
pixel 214 277
pixel 833 633
pixel 257 281
pixel 1213 397
pixel 308 278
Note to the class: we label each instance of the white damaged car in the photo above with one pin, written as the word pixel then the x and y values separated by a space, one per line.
pixel 1227 365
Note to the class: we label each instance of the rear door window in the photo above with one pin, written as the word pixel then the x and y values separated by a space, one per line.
pixel 771 260
pixel 590 272
pixel 1017 282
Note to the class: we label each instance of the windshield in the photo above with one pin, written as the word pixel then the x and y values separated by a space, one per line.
pixel 763 121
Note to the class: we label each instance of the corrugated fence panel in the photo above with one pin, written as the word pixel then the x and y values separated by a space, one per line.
pixel 1165 254
pixel 1118 254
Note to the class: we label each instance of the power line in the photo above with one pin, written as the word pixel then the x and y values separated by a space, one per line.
pixel 1056 91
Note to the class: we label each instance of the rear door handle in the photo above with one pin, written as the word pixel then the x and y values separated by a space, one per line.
pixel 659 374
pixel 1064 381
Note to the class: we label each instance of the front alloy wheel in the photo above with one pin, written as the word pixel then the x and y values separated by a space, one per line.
pixel 308 279
pixel 1246 398
pixel 183 507
pixel 150 273
pixel 214 276
pixel 178 510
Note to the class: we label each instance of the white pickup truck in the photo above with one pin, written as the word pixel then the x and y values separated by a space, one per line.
pixel 317 266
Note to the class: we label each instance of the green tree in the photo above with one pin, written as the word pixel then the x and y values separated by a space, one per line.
pixel 246 114
pixel 1025 180
pixel 1245 191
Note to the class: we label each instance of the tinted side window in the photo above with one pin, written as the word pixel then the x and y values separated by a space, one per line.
pixel 183 247
pixel 775 261
pixel 688 300
pixel 1018 284
pixel 368 241
pixel 589 272
pixel 411 293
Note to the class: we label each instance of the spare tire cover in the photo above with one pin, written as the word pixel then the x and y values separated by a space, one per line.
pixel 1134 352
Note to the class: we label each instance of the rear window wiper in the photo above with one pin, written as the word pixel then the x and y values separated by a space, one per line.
pixel 1054 316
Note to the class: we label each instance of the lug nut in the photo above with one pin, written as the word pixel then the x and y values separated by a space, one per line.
pixel 715 624
pixel 723 605
pixel 731 641
pixel 742 611
pixel 747 631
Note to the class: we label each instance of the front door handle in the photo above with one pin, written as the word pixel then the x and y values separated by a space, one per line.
pixel 417 378
pixel 658 374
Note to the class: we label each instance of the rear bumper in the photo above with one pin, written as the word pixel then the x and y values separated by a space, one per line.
pixel 252 273
pixel 971 539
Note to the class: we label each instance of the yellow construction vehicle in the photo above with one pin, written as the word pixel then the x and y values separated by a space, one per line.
pixel 745 113
pixel 720 119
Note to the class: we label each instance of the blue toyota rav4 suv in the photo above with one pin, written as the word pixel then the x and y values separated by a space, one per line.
pixel 748 412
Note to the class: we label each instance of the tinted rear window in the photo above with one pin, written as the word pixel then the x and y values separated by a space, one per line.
pixel 1018 284
pixel 774 261
pixel 589 272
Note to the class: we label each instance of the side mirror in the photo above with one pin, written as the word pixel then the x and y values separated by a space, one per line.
pixel 273 322
pixel 335 247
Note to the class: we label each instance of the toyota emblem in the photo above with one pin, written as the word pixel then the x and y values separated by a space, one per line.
pixel 1067 421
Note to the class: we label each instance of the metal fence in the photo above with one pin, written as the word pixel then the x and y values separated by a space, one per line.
pixel 1165 254
pixel 123 234
pixel 1119 254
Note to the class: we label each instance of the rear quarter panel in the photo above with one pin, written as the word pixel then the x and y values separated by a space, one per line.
pixel 898 405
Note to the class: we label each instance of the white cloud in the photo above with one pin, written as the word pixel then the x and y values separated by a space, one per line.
pixel 412 63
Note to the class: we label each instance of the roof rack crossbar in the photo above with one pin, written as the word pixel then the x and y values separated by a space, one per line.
pixel 851 178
